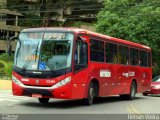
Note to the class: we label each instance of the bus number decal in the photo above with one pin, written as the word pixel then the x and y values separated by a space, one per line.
pixel 129 74
pixel 105 73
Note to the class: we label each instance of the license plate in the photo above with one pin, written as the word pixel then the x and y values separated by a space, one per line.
pixel 37 95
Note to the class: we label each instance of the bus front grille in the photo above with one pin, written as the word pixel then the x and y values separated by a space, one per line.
pixel 30 91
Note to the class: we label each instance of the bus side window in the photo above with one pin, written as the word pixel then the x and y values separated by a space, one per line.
pixel 134 57
pixel 81 55
pixel 96 50
pixel 111 53
pixel 115 59
pixel 119 58
pixel 143 58
pixel 149 59
pixel 123 55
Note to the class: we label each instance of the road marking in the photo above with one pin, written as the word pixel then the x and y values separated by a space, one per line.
pixel 131 109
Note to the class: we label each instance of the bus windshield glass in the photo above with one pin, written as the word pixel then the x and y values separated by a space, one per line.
pixel 44 51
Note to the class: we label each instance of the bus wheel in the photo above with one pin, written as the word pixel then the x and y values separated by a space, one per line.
pixel 132 94
pixel 90 97
pixel 145 94
pixel 43 100
pixel 133 91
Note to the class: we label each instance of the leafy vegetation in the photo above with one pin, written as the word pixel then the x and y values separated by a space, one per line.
pixel 6 63
pixel 6 57
pixel 135 20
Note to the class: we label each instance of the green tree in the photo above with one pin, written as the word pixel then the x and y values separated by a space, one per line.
pixel 135 20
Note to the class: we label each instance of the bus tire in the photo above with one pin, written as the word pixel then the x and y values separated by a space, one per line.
pixel 43 100
pixel 133 91
pixel 145 94
pixel 131 95
pixel 91 94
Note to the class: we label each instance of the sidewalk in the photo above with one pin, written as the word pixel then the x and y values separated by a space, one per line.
pixel 5 84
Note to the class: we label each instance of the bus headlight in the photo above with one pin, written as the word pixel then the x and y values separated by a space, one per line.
pixel 16 80
pixel 62 82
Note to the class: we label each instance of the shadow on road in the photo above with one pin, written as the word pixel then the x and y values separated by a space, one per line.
pixel 67 104
pixel 153 95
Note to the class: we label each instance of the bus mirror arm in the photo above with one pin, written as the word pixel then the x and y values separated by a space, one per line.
pixel 9 49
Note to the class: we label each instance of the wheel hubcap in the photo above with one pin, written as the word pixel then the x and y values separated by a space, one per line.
pixel 91 94
pixel 133 91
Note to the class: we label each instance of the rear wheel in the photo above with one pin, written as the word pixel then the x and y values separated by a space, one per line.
pixel 133 91
pixel 43 100
pixel 91 94
pixel 145 94
pixel 132 94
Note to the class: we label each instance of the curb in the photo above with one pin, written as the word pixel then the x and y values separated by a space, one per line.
pixel 5 84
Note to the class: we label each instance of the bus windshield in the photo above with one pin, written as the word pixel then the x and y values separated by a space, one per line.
pixel 44 51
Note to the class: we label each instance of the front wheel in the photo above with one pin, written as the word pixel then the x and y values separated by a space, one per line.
pixel 43 100
pixel 90 97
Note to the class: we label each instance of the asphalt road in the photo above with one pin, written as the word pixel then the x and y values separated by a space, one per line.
pixel 112 105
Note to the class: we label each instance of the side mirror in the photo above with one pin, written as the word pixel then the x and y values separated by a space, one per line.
pixel 9 50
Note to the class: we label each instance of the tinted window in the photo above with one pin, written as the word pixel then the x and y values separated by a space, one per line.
pixel 123 55
pixel 143 58
pixel 149 59
pixel 134 57
pixel 81 55
pixel 97 51
pixel 111 53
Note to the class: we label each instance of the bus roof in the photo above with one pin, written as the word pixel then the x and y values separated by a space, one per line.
pixel 82 31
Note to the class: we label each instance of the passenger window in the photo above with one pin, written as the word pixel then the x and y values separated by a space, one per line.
pixel 149 59
pixel 111 53
pixel 123 55
pixel 81 55
pixel 134 57
pixel 143 58
pixel 97 51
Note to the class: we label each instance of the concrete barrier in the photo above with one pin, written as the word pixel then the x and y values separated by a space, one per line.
pixel 5 84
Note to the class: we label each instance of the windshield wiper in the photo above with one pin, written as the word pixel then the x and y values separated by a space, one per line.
pixel 34 52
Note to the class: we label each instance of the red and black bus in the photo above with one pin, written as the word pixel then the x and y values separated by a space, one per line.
pixel 71 63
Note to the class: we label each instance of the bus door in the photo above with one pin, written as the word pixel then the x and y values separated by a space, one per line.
pixel 80 76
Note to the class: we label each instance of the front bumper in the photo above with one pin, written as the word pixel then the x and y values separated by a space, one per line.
pixel 61 92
